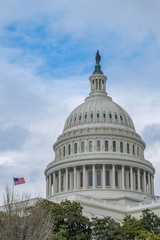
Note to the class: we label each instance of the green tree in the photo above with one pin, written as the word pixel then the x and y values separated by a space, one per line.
pixel 132 227
pixel 106 229
pixel 150 221
pixel 145 235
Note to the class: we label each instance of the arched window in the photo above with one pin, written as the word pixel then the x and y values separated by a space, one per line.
pixel 110 115
pixel 75 148
pixel 91 115
pixel 121 118
pixel 85 116
pixel 107 178
pixel 64 151
pixel 90 178
pixel 133 150
pixel 104 115
pixel 93 84
pixel 75 118
pixel 69 149
pixel 114 146
pixel 106 146
pixel 116 117
pixel 80 117
pixel 98 145
pixel 81 178
pixel 90 146
pixel 97 115
pixel 116 178
pixel 121 147
pixel 99 84
pixel 82 146
pixel 128 148
pixel 98 178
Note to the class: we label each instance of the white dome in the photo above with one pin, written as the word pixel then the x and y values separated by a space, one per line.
pixel 98 110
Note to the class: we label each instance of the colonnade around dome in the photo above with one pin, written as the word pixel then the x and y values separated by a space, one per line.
pixel 99 176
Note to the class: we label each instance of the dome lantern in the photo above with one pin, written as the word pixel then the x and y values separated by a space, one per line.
pixel 98 79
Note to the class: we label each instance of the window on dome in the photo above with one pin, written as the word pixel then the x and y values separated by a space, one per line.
pixel 69 185
pixel 81 179
pixel 80 117
pixel 110 115
pixel 62 183
pixel 127 148
pixel 99 84
pixel 96 84
pixel 82 146
pixel 107 178
pixel 75 118
pixel 116 178
pixel 121 118
pixel 98 178
pixel 75 148
pixel 136 181
pixel 70 120
pixel 85 116
pixel 97 115
pixel 90 146
pixel 90 179
pixel 121 147
pixel 69 149
pixel 116 116
pixel 106 146
pixel 64 151
pixel 104 115
pixel 133 150
pixel 98 145
pixel 114 146
pixel 91 115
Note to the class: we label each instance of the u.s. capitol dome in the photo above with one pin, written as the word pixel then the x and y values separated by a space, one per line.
pixel 99 157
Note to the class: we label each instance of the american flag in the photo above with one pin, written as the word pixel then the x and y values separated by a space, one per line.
pixel 18 181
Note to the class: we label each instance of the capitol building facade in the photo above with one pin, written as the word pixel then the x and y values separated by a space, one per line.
pixel 99 159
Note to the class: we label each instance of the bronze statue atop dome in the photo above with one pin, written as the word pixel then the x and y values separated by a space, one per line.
pixel 98 57
pixel 97 65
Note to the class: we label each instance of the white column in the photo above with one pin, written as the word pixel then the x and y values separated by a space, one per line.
pixel 131 177
pixel 94 176
pixel 50 186
pixel 75 178
pixel 103 176
pixel 66 180
pixel 122 177
pixel 149 184
pixel 54 183
pixel 59 180
pixel 84 177
pixel 152 185
pixel 46 186
pixel 144 182
pixel 139 185
pixel 113 176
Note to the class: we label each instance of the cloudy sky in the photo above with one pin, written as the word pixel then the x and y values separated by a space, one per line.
pixel 47 51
